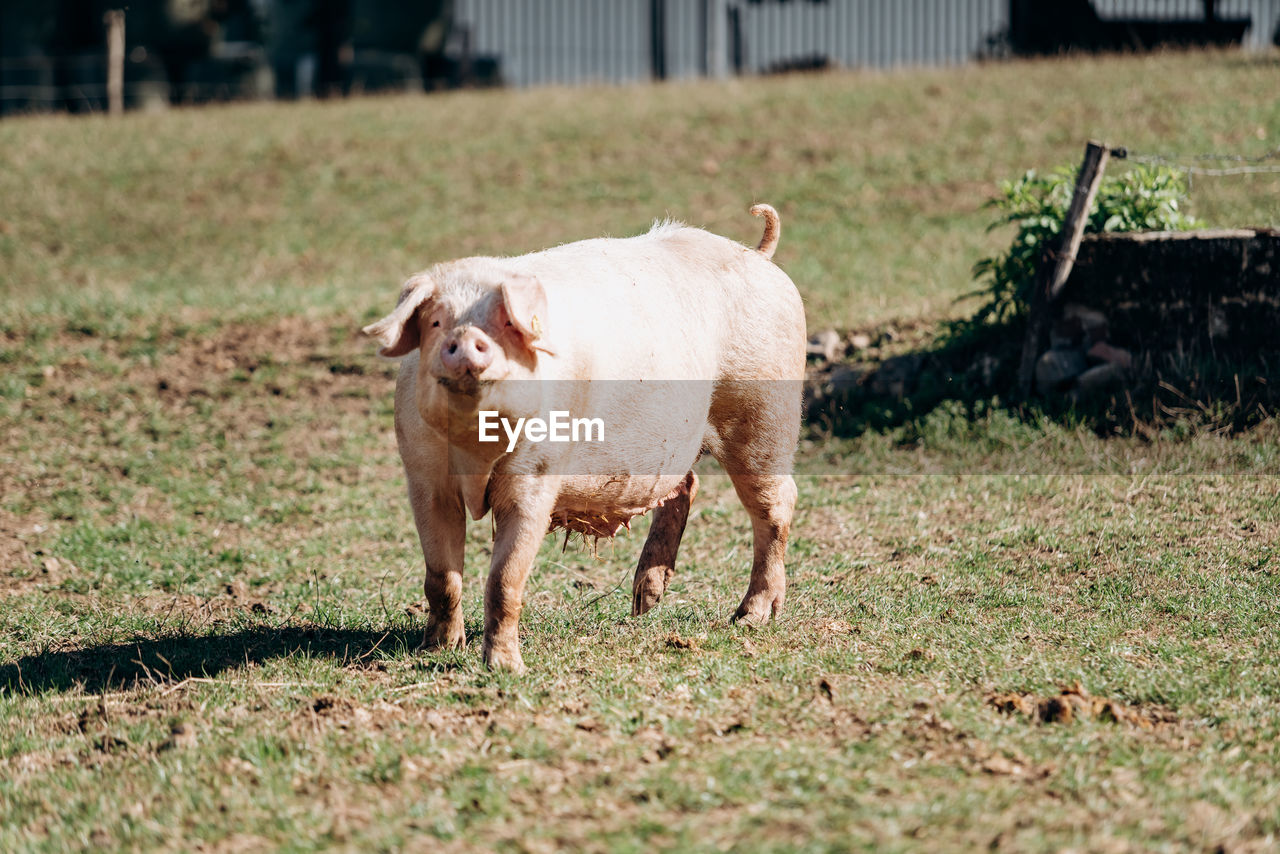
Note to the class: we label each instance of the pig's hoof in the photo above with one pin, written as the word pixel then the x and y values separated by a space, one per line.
pixel 645 597
pixel 504 658
pixel 641 603
pixel 755 611
pixel 648 588
pixel 750 619
pixel 444 635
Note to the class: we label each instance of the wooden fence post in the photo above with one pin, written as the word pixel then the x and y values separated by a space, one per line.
pixel 114 20
pixel 1055 265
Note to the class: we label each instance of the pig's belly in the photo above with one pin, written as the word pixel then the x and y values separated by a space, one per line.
pixel 601 506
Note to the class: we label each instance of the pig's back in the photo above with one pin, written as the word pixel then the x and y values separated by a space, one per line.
pixel 676 303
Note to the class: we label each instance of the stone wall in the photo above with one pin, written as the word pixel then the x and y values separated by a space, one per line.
pixel 1132 298
pixel 1209 291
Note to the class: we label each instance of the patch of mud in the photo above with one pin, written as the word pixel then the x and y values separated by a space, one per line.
pixel 1074 703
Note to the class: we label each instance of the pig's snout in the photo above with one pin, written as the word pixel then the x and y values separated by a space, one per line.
pixel 466 351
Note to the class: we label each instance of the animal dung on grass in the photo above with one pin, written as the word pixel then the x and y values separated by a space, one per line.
pixel 674 343
pixel 675 641
pixel 1074 703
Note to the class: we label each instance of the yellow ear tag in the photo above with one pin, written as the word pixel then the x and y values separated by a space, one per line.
pixel 537 327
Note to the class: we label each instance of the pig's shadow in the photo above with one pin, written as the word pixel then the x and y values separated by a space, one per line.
pixel 965 365
pixel 118 666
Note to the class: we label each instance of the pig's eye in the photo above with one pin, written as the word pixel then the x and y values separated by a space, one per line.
pixel 435 324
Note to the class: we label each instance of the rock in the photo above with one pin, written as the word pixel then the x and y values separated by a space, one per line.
pixel 1096 379
pixel 1066 334
pixel 825 345
pixel 1093 323
pixel 860 341
pixel 1055 368
pixel 1104 353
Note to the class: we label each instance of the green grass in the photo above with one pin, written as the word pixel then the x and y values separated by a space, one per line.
pixel 879 178
pixel 202 520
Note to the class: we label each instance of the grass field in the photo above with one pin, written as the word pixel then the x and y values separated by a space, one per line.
pixel 211 586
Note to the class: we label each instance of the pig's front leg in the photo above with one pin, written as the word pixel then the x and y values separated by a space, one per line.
pixel 521 522
pixel 442 530
pixel 658 557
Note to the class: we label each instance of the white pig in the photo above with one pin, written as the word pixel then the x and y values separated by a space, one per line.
pixel 678 341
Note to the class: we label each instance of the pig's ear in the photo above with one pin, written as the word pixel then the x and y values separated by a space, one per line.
pixel 399 331
pixel 526 305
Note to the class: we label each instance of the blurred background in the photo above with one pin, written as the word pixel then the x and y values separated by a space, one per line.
pixel 54 55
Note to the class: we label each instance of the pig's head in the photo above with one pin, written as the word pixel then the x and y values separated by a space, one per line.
pixel 473 328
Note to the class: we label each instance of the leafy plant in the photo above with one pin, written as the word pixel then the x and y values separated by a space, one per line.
pixel 1141 199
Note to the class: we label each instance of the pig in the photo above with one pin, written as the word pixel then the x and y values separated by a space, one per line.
pixel 680 342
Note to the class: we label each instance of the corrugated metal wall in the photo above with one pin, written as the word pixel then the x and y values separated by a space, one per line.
pixel 580 41
pixel 1264 13
pixel 856 34
pixel 560 41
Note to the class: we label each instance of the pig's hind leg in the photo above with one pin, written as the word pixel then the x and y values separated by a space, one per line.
pixel 757 452
pixel 658 557
pixel 770 501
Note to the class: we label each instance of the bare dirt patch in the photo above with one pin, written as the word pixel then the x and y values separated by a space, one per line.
pixel 193 613
pixel 26 567
pixel 298 358
pixel 18 569
pixel 318 362
pixel 345 713
pixel 153 409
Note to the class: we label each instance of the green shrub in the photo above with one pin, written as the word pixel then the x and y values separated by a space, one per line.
pixel 1141 199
